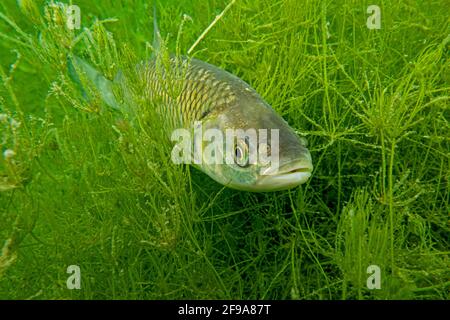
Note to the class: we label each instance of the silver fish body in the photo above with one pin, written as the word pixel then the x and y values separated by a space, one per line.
pixel 193 90
pixel 190 91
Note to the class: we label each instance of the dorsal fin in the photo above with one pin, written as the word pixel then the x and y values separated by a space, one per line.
pixel 156 33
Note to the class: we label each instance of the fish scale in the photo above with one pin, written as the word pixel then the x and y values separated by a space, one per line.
pixel 202 88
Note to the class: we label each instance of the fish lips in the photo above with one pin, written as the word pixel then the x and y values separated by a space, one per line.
pixel 288 176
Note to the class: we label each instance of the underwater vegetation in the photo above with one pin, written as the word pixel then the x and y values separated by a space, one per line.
pixel 92 207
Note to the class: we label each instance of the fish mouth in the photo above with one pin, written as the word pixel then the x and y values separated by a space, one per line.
pixel 288 176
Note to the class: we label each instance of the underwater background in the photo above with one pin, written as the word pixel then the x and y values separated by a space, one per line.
pixel 85 193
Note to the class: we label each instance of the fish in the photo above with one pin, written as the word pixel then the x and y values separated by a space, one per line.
pixel 191 92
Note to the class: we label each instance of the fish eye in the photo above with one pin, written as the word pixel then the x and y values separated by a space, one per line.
pixel 241 154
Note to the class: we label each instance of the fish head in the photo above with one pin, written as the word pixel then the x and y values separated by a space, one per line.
pixel 255 149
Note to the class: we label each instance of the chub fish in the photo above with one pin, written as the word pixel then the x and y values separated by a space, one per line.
pixel 219 100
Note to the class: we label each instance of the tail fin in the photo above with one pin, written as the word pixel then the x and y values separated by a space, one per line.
pixel 103 85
